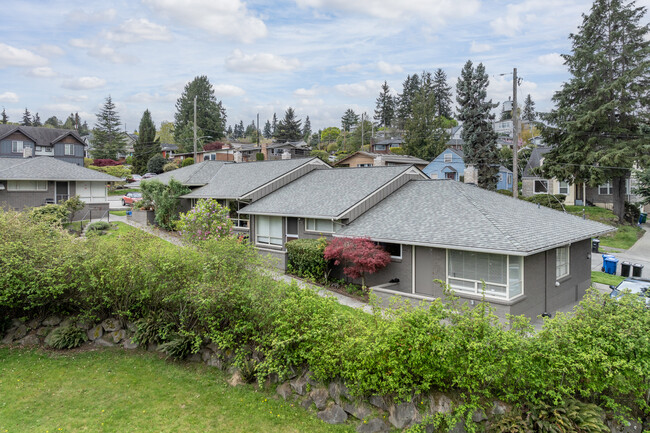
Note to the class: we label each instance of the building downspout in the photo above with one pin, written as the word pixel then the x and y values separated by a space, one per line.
pixel 545 313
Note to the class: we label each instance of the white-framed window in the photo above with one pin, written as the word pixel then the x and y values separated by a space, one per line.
pixel 541 187
pixel 364 165
pixel 26 185
pixel 395 250
pixel 562 261
pixel 238 220
pixel 380 147
pixel 605 189
pixel 563 188
pixel 503 275
pixel 319 225
pixel 509 179
pixel 17 146
pixel 69 149
pixel 268 230
pixel 210 157
pixel 448 157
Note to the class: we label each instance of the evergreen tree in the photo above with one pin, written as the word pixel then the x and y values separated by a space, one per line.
pixel 385 107
pixel 274 125
pixel 84 130
pixel 268 132
pixel 147 145
pixel 442 93
pixel 53 121
pixel 601 111
pixel 240 129
pixel 251 131
pixel 529 109
pixel 288 129
pixel 410 88
pixel 37 120
pixel 4 117
pixel 229 132
pixel 480 147
pixel 185 138
pixel 349 119
pixel 210 114
pixel 108 140
pixel 306 129
pixel 69 122
pixel 425 134
pixel 27 118
pixel 77 121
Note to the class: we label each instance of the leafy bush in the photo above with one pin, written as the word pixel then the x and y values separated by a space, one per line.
pixel 505 191
pixel 398 151
pixel 99 225
pixel 170 166
pixel 113 170
pixel 553 201
pixel 73 204
pixel 206 220
pixel 55 214
pixel 320 154
pixel 66 337
pixel 156 164
pixel 187 161
pixel 632 213
pixel 359 256
pixel 178 347
pixel 259 157
pixel 104 162
pixel 165 200
pixel 306 258
pixel 147 330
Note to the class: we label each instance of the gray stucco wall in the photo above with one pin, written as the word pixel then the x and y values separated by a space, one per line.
pixel 5 148
pixel 19 200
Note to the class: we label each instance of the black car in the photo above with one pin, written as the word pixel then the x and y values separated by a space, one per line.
pixel 639 286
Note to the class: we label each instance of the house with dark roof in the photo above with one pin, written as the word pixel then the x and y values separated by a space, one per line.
pixel 362 158
pixel 450 164
pixel 31 182
pixel 320 203
pixel 24 141
pixel 386 144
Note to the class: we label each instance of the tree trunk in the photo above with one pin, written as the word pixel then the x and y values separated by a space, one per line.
pixel 618 198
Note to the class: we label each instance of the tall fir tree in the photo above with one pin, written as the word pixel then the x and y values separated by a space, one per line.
pixel 240 129
pixel 229 131
pixel 349 119
pixel 596 128
pixel 410 88
pixel 479 137
pixel 268 133
pixel 425 136
pixel 147 145
pixel 27 118
pixel 37 120
pixel 288 129
pixel 274 125
pixel 529 113
pixel 442 93
pixel 108 140
pixel 210 113
pixel 4 118
pixel 306 129
pixel 384 107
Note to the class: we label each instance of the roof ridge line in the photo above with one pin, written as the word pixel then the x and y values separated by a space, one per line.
pixel 490 219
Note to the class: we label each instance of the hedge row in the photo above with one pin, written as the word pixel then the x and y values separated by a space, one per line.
pixel 216 293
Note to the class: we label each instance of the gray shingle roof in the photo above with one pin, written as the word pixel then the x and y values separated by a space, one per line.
pixel 48 168
pixel 534 160
pixel 42 136
pixel 325 193
pixel 450 214
pixel 193 175
pixel 237 180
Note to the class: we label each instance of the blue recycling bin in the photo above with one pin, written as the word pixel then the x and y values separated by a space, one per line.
pixel 605 256
pixel 610 265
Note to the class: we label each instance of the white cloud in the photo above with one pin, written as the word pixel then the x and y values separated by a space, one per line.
pixel 144 97
pixel 228 18
pixel 261 62
pixel 11 56
pixel 50 50
pixel 366 88
pixel 430 11
pixel 306 93
pixel 479 48
pixel 135 30
pixel 103 52
pixel 388 69
pixel 81 16
pixel 554 60
pixel 531 15
pixel 227 90
pixel 84 83
pixel 351 67
pixel 9 97
pixel 43 72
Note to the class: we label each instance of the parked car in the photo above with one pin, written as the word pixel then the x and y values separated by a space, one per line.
pixel 639 286
pixel 148 175
pixel 131 197
pixel 134 178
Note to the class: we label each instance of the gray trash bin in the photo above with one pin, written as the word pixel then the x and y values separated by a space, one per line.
pixel 625 269
pixel 637 270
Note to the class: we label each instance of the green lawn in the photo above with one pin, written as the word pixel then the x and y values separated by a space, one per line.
pixel 122 192
pixel 76 225
pixel 110 390
pixel 118 212
pixel 623 238
pixel 603 278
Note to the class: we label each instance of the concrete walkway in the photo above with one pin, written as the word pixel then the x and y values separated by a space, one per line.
pixel 638 254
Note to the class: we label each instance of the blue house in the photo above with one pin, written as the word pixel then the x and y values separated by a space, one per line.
pixel 450 164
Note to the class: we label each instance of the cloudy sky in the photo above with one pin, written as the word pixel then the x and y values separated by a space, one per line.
pixel 318 56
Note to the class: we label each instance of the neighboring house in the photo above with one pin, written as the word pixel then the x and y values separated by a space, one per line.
pixel 450 164
pixel 386 144
pixel 30 182
pixel 320 203
pixel 237 184
pixel 168 150
pixel 362 158
pixel 462 235
pixel 298 149
pixel 25 141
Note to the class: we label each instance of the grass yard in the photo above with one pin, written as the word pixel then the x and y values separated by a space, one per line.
pixel 121 192
pixel 118 212
pixel 622 239
pixel 607 279
pixel 110 390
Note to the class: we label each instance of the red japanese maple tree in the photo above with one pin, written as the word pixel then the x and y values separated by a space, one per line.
pixel 359 256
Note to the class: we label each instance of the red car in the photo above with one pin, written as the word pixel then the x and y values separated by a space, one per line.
pixel 131 197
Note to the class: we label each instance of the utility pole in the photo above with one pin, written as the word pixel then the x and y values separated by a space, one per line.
pixel 515 136
pixel 361 130
pixel 257 133
pixel 195 129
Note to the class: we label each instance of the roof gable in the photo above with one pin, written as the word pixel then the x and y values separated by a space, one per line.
pixel 48 168
pixel 41 136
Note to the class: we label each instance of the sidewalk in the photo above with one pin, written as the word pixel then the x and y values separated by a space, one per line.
pixel 638 254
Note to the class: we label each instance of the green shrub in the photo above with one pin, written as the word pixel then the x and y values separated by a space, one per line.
pixel 553 201
pixel 305 258
pixel 165 200
pixel 505 192
pixel 187 161
pixel 206 220
pixel 147 331
pixel 50 213
pixel 259 157
pixel 99 225
pixel 170 166
pixel 156 164
pixel 66 337
pixel 178 347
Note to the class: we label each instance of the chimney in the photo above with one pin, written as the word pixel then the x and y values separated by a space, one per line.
pixel 379 161
pixel 471 175
pixel 286 154
pixel 27 152
pixel 237 156
pixel 265 152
